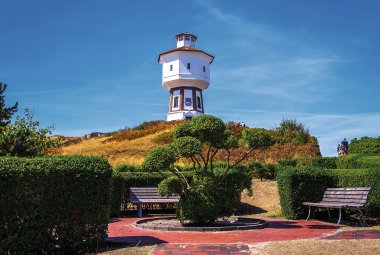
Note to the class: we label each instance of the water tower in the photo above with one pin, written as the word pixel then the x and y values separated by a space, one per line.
pixel 185 73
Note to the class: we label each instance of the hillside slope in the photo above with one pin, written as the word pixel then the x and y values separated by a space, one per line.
pixel 131 146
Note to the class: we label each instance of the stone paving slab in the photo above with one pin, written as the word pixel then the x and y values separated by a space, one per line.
pixel 355 234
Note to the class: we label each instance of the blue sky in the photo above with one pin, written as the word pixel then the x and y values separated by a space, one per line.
pixel 92 65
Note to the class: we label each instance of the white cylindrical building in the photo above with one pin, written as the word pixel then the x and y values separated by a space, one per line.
pixel 185 73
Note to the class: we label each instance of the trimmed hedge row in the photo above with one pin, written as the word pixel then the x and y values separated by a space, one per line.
pixel 325 162
pixel 298 185
pixel 358 161
pixel 53 205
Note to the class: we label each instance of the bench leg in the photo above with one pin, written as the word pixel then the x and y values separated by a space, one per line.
pixel 362 219
pixel 308 216
pixel 328 211
pixel 140 211
pixel 340 216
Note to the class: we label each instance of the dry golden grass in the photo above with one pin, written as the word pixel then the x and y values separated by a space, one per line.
pixel 144 250
pixel 265 201
pixel 318 247
pixel 116 152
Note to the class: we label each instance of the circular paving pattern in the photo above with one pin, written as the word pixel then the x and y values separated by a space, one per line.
pixel 121 230
pixel 172 224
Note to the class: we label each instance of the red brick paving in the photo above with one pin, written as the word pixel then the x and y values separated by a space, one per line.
pixel 123 231
pixel 228 243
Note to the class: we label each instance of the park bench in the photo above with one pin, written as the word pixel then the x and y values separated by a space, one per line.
pixel 142 196
pixel 342 198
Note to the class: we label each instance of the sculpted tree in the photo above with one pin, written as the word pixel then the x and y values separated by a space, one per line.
pixel 5 112
pixel 213 192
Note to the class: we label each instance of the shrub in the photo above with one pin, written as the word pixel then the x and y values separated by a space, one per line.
pixel 298 185
pixel 24 138
pixel 53 205
pixel 257 138
pixel 118 194
pixel 365 145
pixel 348 161
pixel 290 130
pixel 208 199
pixel 326 162
pixel 287 162
pixel 369 161
pixel 164 138
pixel 126 168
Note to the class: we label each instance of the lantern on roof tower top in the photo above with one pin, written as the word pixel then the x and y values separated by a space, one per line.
pixel 185 73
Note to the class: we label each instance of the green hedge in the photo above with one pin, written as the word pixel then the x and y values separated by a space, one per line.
pixel 322 162
pixel 297 185
pixel 358 161
pixel 53 205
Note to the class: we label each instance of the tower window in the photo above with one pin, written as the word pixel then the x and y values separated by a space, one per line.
pixel 204 69
pixel 171 67
pixel 199 103
pixel 187 38
pixel 188 65
pixel 176 102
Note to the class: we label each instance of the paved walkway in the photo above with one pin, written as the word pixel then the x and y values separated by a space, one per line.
pixel 228 243
pixel 122 231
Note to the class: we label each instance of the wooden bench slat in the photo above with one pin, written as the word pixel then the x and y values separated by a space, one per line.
pixel 359 188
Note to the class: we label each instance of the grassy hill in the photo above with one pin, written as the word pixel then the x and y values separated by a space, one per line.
pixel 131 145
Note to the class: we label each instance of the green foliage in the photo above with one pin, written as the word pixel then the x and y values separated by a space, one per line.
pixel 362 178
pixel 257 138
pixel 209 199
pixel 322 162
pixel 5 112
pixel 326 162
pixel 53 205
pixel 24 138
pixel 200 139
pixel 298 185
pixel 170 186
pixel 292 130
pixel 262 171
pixel 164 138
pixel 187 146
pixel 126 168
pixel 365 145
pixel 159 158
pixel 358 161
pixel 287 162
pixel 208 129
pixel 118 194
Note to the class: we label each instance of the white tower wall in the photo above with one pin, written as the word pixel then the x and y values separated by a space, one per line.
pixel 185 73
